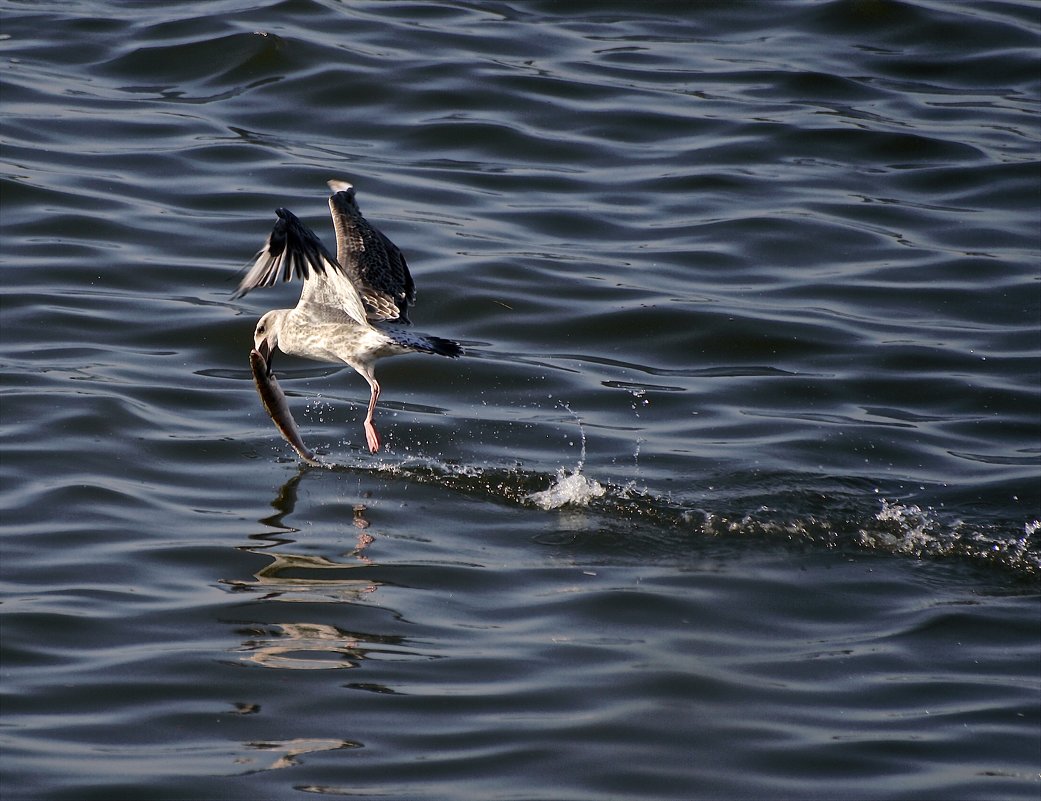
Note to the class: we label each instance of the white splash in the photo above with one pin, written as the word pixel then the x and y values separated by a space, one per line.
pixel 906 528
pixel 570 488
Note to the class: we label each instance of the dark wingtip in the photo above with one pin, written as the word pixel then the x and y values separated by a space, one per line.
pixel 288 218
pixel 445 347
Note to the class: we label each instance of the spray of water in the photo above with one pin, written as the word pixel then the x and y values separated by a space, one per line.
pixel 570 488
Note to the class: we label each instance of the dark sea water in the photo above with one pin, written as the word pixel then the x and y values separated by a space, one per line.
pixel 736 494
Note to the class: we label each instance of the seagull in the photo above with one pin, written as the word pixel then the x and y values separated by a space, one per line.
pixel 353 307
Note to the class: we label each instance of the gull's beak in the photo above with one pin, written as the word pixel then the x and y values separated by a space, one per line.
pixel 265 351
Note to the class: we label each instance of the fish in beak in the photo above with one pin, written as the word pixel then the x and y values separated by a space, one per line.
pixel 274 400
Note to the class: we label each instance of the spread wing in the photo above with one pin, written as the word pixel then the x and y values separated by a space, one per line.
pixel 374 264
pixel 292 250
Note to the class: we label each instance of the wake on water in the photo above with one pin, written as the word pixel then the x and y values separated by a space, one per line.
pixel 840 520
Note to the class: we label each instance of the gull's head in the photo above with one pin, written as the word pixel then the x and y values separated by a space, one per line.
pixel 265 338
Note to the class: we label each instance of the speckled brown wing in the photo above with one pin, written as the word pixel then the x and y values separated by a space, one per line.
pixel 374 263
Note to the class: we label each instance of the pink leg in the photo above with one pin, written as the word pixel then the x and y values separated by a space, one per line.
pixel 370 430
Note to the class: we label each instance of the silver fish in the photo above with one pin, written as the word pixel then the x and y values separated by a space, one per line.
pixel 274 400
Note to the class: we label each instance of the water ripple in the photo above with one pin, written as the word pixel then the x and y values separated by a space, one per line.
pixel 736 496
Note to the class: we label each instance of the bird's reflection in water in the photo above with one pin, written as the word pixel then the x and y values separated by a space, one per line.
pixel 284 505
pixel 309 579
